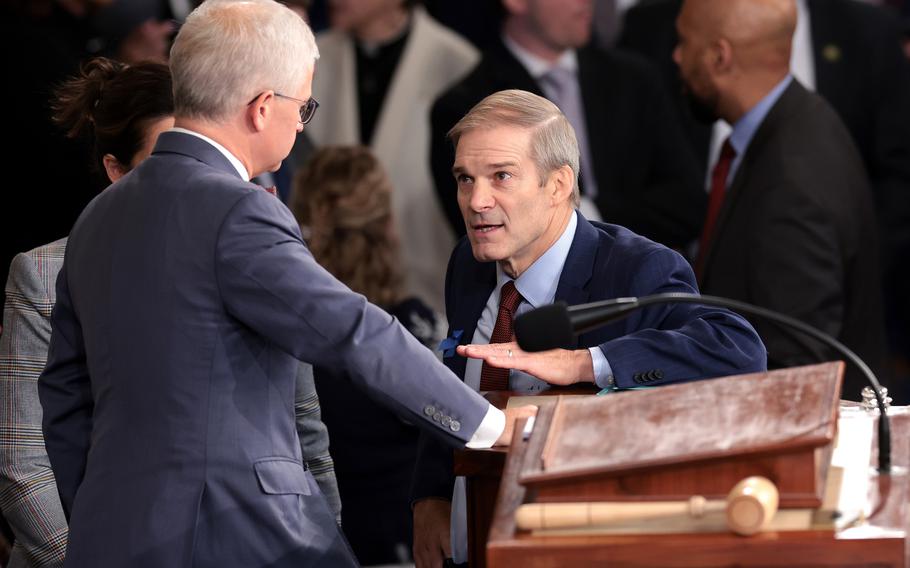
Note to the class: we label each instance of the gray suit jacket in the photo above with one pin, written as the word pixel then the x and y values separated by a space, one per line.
pixel 185 298
pixel 30 502
pixel 32 507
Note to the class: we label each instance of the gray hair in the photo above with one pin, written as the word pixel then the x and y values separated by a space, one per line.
pixel 229 51
pixel 553 142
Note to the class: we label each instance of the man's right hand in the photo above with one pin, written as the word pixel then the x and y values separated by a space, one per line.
pixel 432 537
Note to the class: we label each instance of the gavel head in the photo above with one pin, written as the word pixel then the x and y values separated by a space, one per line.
pixel 751 505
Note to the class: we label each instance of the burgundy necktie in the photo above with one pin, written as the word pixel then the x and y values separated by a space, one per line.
pixel 494 378
pixel 715 201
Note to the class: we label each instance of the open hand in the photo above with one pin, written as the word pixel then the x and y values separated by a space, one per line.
pixel 556 366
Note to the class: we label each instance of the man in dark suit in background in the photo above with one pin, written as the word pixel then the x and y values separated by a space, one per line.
pixel 850 53
pixel 516 169
pixel 186 298
pixel 790 223
pixel 636 168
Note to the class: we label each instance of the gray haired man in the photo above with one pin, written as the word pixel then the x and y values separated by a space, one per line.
pixel 185 300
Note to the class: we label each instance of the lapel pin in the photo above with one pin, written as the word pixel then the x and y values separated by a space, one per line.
pixel 832 53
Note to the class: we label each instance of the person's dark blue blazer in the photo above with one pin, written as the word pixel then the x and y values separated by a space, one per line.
pixel 654 346
pixel 185 299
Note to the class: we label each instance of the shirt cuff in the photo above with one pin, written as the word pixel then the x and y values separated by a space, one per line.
pixel 490 429
pixel 603 373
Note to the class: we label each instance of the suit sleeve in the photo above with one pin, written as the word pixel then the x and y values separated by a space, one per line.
pixel 33 509
pixel 66 397
pixel 798 269
pixel 679 342
pixel 434 476
pixel 269 281
pixel 314 437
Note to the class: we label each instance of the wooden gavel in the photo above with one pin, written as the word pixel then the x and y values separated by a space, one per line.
pixel 749 507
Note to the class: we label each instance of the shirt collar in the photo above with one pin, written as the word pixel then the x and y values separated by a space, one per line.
pixel 537 285
pixel 536 66
pixel 745 128
pixel 238 165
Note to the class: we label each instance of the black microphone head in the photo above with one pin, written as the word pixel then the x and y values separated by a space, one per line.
pixel 547 327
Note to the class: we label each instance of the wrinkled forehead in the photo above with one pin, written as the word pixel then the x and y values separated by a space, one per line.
pixel 493 144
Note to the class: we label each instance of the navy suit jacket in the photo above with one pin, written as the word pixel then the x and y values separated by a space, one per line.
pixel 657 345
pixel 185 298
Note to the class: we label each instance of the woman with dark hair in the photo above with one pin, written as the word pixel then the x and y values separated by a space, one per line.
pixel 342 199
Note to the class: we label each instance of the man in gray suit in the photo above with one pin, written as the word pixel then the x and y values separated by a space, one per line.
pixel 185 297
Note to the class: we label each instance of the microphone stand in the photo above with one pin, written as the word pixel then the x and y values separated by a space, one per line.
pixel 586 317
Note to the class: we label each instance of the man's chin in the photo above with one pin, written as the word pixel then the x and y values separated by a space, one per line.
pixel 484 253
pixel 700 110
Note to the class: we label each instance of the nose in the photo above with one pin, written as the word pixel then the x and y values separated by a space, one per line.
pixel 481 197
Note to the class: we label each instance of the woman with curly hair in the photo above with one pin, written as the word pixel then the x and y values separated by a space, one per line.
pixel 342 199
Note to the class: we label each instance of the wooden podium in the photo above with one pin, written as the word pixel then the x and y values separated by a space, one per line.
pixel 676 441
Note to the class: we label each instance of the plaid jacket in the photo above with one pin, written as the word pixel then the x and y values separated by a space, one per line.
pixel 28 493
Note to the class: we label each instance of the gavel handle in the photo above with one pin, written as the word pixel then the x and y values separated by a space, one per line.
pixel 535 516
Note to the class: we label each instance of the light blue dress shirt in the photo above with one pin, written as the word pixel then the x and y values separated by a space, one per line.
pixel 537 286
pixel 746 127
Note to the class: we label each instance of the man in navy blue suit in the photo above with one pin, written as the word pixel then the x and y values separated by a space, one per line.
pixel 516 166
pixel 185 300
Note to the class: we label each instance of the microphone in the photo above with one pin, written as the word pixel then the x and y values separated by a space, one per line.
pixel 556 325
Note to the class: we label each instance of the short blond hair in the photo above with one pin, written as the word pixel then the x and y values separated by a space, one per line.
pixel 553 142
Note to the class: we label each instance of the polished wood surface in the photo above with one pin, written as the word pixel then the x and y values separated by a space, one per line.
pixel 880 541
pixel 697 438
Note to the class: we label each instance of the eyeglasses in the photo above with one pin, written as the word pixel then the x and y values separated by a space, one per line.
pixel 307 107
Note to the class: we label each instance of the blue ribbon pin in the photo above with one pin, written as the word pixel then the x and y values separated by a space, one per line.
pixel 448 345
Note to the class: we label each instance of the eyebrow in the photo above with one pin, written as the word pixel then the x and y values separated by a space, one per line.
pixel 498 165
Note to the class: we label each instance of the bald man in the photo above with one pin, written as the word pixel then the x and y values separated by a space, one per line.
pixel 790 224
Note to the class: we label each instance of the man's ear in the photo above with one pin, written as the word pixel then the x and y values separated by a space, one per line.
pixel 517 7
pixel 113 167
pixel 260 110
pixel 563 180
pixel 721 54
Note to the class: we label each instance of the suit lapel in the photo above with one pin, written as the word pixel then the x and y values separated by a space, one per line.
pixel 576 273
pixel 507 72
pixel 743 174
pixel 479 280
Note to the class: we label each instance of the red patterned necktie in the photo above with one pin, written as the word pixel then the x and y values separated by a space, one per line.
pixel 715 201
pixel 494 378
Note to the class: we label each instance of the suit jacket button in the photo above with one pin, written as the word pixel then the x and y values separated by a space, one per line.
pixel 437 417
pixel 658 374
pixel 429 410
pixel 446 421
pixel 455 426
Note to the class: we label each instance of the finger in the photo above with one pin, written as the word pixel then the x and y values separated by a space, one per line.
pixel 478 351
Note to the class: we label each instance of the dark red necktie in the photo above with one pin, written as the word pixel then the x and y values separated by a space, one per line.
pixel 494 378
pixel 715 201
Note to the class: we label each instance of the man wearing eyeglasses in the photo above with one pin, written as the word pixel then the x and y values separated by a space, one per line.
pixel 185 300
